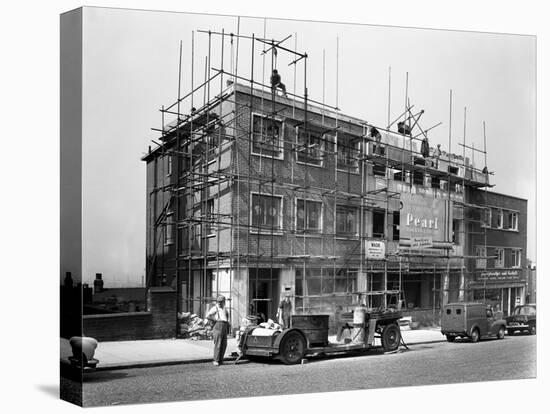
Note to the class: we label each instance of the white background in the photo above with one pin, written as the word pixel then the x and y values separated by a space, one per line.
pixel 30 203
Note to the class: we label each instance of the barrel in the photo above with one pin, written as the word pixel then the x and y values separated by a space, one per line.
pixel 359 315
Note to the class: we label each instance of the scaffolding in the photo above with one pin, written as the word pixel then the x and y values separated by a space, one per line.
pixel 248 178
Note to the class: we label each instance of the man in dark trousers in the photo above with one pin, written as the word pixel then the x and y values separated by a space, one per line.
pixel 220 316
pixel 284 311
pixel 276 82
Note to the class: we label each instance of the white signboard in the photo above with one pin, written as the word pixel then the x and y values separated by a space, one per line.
pixel 375 250
pixel 421 242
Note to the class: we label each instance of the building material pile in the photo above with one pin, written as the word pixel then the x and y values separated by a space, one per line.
pixel 193 327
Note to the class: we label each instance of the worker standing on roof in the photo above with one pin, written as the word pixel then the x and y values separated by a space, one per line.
pixel 220 316
pixel 437 155
pixel 425 148
pixel 276 82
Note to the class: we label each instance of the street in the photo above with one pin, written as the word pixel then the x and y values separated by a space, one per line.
pixel 424 364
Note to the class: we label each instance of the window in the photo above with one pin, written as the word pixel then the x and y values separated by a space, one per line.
pixel 481 262
pixel 169 228
pixel 487 218
pixel 513 220
pixel 458 311
pixel 516 258
pixel 378 223
pixel 210 216
pixel 169 165
pixel 396 218
pixel 418 178
pixel 499 258
pixel 266 212
pixel 458 188
pixel 379 170
pixel 267 137
pixel 347 220
pixel 309 147
pixel 214 138
pixel 448 311
pixel 500 219
pixel 348 150
pixel 436 182
pixel 308 216
pixel 456 231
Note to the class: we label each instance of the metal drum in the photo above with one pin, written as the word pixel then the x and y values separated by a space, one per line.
pixel 358 334
pixel 314 326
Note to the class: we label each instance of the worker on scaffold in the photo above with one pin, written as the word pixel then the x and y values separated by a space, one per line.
pixel 276 82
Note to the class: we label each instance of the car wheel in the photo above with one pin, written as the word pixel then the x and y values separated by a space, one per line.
pixel 391 336
pixel 532 330
pixel 292 348
pixel 474 337
pixel 451 338
pixel 511 331
pixel 500 333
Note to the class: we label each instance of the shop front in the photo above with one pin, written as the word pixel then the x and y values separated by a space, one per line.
pixel 503 289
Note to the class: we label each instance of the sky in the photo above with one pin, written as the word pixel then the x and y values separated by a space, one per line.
pixel 131 69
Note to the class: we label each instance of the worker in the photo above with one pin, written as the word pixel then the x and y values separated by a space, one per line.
pixel 284 311
pixel 276 82
pixel 374 133
pixel 220 316
pixel 425 148
pixel 437 155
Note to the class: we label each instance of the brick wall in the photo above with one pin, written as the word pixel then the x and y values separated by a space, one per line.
pixel 158 322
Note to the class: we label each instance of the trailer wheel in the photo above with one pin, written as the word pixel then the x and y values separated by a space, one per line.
pixel 292 348
pixel 391 336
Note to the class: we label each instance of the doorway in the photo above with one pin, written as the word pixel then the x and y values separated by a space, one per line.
pixel 263 292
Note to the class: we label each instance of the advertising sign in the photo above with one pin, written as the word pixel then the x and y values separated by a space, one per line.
pixel 375 249
pixel 423 217
pixel 499 275
pixel 421 242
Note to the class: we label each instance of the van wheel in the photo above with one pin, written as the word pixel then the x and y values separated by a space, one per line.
pixel 451 338
pixel 500 333
pixel 391 336
pixel 474 337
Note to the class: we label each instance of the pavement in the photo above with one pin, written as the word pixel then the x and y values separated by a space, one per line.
pixel 157 352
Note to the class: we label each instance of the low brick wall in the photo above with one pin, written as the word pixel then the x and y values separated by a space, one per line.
pixel 119 326
pixel 158 322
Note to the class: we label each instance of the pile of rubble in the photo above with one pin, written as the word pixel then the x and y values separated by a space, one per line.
pixel 193 327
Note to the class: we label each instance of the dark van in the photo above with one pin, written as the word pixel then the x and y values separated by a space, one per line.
pixel 470 320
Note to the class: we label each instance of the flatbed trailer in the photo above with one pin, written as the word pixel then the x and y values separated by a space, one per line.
pixel 308 336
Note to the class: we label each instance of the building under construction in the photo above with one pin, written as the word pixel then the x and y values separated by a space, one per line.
pixel 258 192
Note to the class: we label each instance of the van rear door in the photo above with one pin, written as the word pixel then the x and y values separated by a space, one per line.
pixel 453 319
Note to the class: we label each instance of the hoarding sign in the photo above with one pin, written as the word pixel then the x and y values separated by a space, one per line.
pixel 421 242
pixel 375 250
pixel 422 217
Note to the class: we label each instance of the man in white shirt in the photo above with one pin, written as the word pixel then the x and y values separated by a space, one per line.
pixel 220 316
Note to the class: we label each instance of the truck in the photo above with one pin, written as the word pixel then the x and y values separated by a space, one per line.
pixel 308 336
pixel 470 320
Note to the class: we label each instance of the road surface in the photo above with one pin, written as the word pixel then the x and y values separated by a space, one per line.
pixel 436 363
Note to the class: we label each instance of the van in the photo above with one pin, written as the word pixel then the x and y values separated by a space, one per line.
pixel 470 320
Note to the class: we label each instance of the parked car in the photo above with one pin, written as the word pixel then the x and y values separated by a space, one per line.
pixel 471 320
pixel 522 319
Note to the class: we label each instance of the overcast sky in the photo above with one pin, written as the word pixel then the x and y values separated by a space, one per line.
pixel 131 70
